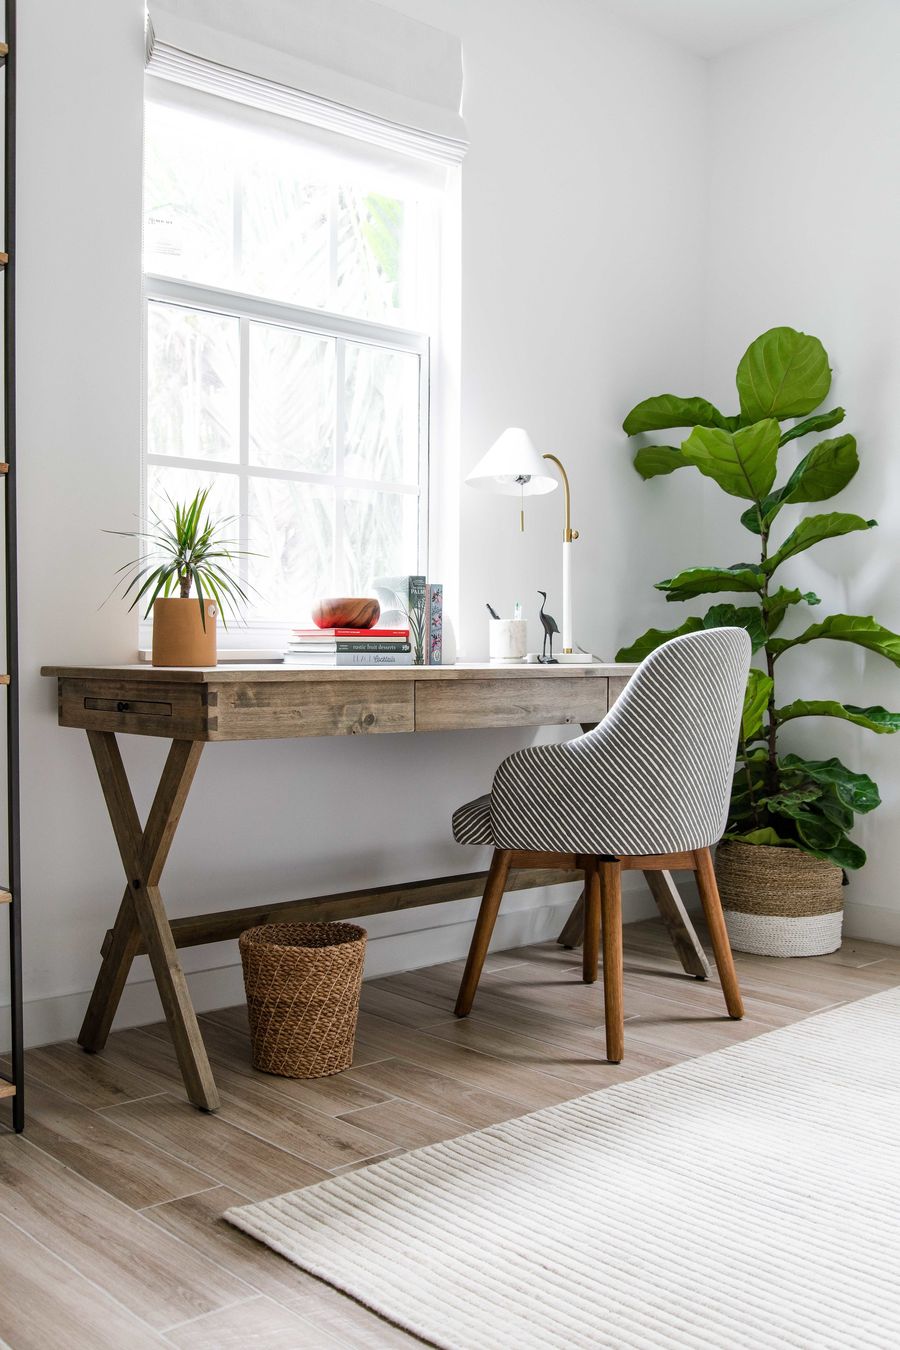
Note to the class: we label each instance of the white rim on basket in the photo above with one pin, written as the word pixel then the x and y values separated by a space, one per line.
pixel 765 935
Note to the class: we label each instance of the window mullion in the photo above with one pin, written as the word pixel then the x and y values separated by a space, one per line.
pixel 244 448
pixel 340 581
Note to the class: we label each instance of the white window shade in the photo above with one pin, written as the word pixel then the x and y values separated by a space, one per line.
pixel 348 66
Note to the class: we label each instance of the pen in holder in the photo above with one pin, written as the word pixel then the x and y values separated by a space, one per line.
pixel 508 639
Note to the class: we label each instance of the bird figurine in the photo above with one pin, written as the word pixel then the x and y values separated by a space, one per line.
pixel 550 627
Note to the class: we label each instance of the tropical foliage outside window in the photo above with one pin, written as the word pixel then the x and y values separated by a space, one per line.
pixel 286 355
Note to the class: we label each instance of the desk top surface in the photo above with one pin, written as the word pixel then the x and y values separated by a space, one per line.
pixel 273 671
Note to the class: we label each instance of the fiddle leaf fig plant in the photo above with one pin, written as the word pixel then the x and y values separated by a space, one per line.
pixel 778 798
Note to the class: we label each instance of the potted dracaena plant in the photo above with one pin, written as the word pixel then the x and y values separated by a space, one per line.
pixel 780 865
pixel 185 551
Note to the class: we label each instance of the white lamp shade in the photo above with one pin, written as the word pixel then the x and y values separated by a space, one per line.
pixel 512 466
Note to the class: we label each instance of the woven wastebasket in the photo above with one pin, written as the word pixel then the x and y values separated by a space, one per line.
pixel 779 901
pixel 303 983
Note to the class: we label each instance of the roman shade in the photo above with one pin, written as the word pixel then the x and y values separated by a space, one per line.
pixel 349 66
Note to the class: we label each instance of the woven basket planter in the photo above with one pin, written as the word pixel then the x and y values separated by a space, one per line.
pixel 779 901
pixel 303 983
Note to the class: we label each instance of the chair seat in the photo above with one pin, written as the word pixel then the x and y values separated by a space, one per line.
pixel 472 822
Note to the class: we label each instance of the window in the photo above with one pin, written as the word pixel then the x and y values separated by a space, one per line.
pixel 289 306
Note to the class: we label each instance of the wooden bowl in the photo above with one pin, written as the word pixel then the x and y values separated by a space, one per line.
pixel 346 611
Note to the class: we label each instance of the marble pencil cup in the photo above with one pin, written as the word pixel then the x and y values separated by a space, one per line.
pixel 508 639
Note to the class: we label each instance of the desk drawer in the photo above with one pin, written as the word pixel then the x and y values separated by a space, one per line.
pixel 456 705
pixel 274 710
pixel 149 709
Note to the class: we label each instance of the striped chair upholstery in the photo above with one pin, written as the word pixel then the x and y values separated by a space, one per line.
pixel 649 787
pixel 653 777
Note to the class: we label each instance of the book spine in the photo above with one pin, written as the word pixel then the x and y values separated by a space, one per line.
pixel 325 659
pixel 341 645
pixel 363 634
pixel 418 631
pixel 435 624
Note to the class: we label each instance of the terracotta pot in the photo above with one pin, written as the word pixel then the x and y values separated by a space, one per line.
pixel 179 638
pixel 779 901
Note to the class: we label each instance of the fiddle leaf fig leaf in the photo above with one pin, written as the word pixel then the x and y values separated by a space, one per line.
pixel 864 631
pixel 813 530
pixel 822 473
pixel 655 637
pixel 782 374
pixel 845 854
pixel 818 831
pixel 670 410
pixel 653 460
pixel 741 462
pixel 756 698
pixel 873 719
pixel 707 580
pixel 855 790
pixel 732 616
pixel 819 422
pixel 781 601
pixel 764 836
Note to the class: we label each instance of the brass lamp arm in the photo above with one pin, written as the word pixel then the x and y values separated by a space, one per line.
pixel 569 534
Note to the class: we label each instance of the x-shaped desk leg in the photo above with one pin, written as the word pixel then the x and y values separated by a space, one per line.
pixel 142 914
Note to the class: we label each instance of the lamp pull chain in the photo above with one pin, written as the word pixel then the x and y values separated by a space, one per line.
pixel 522 508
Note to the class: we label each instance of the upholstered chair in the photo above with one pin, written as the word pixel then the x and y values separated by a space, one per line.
pixel 647 788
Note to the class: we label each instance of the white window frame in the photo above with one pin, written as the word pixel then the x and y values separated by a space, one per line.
pixel 246 308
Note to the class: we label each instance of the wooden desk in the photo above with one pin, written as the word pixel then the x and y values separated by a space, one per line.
pixel 237 703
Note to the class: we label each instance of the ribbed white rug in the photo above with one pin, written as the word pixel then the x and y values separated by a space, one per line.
pixel 749 1198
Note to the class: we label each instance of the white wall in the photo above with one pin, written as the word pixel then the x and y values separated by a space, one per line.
pixel 582 231
pixel 804 229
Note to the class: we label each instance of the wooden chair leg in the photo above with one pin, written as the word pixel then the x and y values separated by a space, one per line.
pixel 484 927
pixel 610 879
pixel 718 933
pixel 590 953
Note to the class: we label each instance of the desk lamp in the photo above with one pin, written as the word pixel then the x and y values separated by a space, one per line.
pixel 514 467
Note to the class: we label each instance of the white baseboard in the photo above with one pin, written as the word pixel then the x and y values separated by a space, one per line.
pixel 871 922
pixel 59 1018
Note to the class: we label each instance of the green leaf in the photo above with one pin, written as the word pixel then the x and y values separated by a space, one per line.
pixel 782 374
pixel 653 460
pixel 708 580
pixel 873 719
pixel 780 602
pixel 856 628
pixel 845 854
pixel 813 530
pixel 831 806
pixel 816 831
pixel 821 422
pixel 795 799
pixel 856 790
pixel 766 836
pixel 756 699
pixel 655 637
pixel 742 462
pixel 731 616
pixel 822 473
pixel 669 410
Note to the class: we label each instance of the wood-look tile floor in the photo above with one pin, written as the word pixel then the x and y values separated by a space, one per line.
pixel 110 1206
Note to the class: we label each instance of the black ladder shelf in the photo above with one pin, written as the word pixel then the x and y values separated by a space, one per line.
pixel 11 1087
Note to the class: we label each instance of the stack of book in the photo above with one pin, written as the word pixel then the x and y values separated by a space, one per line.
pixel 349 647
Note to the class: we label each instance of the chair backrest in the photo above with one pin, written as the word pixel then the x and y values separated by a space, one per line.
pixel 654 776
pixel 669 741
